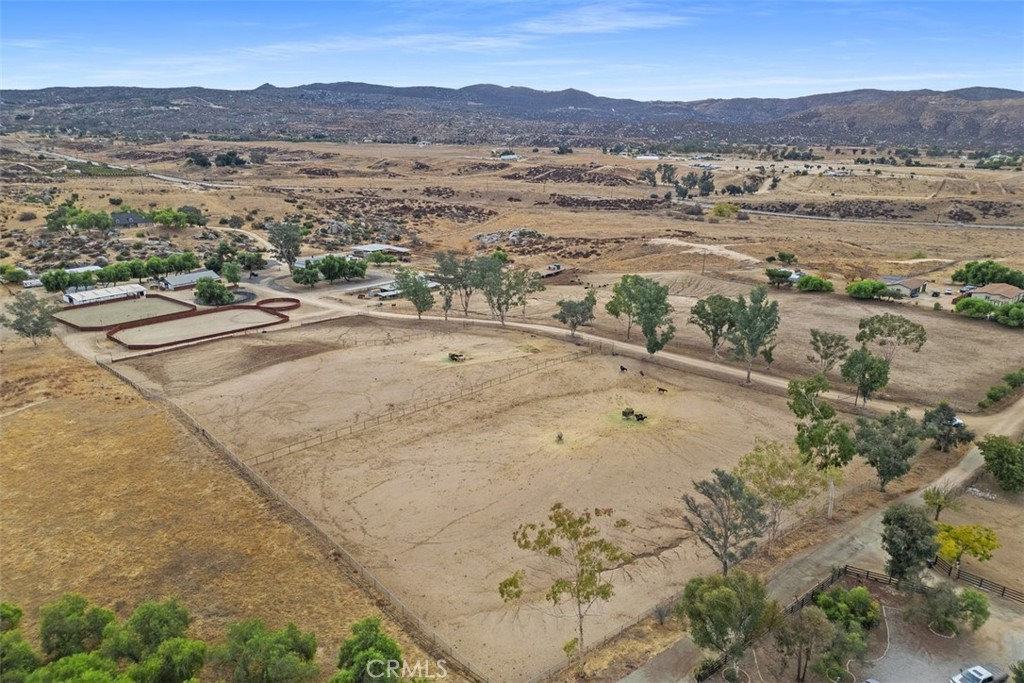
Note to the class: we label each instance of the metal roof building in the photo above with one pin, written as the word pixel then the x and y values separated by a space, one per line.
pixel 365 249
pixel 186 280
pixel 95 296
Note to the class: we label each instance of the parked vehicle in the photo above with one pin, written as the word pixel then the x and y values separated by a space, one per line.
pixel 949 290
pixel 978 674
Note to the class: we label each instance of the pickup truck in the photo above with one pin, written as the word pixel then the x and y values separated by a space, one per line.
pixel 978 674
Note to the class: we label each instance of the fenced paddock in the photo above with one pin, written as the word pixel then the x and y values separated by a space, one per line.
pixel 188 326
pixel 108 314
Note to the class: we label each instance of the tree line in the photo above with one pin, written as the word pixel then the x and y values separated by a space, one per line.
pixel 83 642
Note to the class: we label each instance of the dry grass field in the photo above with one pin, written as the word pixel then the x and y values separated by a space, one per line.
pixel 428 502
pixel 84 508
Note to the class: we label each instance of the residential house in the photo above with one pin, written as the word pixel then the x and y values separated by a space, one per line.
pixel 129 219
pixel 999 293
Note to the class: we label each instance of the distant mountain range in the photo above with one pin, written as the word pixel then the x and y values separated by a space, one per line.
pixel 970 118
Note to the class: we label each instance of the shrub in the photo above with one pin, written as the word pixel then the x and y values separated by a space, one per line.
pixel 26 216
pixel 706 667
pixel 865 289
pixel 116 201
pixel 937 306
pixel 1015 379
pixel 946 612
pixel 813 283
pixel 974 308
pixel 998 392
pixel 854 607
pixel 724 210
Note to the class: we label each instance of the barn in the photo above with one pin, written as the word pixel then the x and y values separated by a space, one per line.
pixel 95 296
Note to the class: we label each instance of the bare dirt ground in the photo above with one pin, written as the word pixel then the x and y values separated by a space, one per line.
pixel 212 322
pixel 438 493
pixel 973 354
pixel 118 312
pixel 83 508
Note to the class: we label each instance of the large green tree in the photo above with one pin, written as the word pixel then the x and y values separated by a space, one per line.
pixel 209 292
pixel 891 332
pixel 780 477
pixel 754 326
pixel 71 625
pixel 728 613
pixel 286 238
pixel 653 313
pixel 624 300
pixel 583 558
pixel 714 315
pixel 949 431
pixel 368 655
pixel 729 518
pixel 908 536
pixel 150 624
pixel 575 312
pixel 866 371
pixel 888 444
pixel 252 654
pixel 1004 458
pixel 823 439
pixel 29 316
pixel 803 634
pixel 447 274
pixel 829 348
pixel 415 288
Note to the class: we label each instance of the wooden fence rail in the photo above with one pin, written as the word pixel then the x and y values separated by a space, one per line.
pixel 954 572
pixel 408 409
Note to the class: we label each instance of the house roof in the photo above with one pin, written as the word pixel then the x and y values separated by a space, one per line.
pixel 913 283
pixel 128 218
pixel 1000 289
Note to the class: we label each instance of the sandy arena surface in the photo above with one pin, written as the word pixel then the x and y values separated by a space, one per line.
pixel 119 312
pixel 429 502
pixel 217 322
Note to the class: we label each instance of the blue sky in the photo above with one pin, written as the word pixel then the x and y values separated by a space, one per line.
pixel 649 50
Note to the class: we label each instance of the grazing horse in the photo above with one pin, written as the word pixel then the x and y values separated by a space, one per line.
pixel 662 390
pixel 623 368
pixel 640 417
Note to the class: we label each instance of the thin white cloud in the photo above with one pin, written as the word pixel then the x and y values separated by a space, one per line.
pixel 29 43
pixel 603 18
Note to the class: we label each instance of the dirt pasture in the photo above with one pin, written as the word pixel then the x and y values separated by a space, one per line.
pixel 209 323
pixel 429 502
pixel 119 312
pixel 960 361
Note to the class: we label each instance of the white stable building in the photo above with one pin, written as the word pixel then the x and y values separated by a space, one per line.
pixel 95 296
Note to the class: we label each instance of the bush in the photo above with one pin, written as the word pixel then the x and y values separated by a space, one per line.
pixel 724 210
pixel 974 308
pixel 865 289
pixel 706 667
pixel 116 201
pixel 26 216
pixel 998 392
pixel 854 607
pixel 1015 379
pixel 945 611
pixel 813 283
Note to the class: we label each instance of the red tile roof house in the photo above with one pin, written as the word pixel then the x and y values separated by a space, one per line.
pixel 999 293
